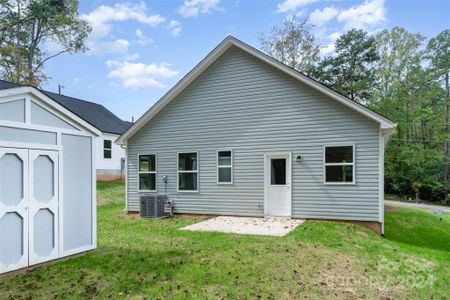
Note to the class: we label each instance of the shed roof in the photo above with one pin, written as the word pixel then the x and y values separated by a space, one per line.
pixel 95 114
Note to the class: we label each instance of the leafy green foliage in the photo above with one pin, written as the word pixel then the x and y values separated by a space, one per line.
pixel 398 75
pixel 27 25
pixel 409 93
pixel 350 70
pixel 293 44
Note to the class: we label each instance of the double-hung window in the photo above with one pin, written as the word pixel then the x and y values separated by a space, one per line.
pixel 224 167
pixel 339 164
pixel 187 172
pixel 147 172
pixel 107 148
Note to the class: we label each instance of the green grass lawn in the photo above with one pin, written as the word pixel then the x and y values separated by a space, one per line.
pixel 110 192
pixel 143 258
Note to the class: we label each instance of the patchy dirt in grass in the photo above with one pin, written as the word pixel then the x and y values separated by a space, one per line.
pixel 152 259
pixel 390 208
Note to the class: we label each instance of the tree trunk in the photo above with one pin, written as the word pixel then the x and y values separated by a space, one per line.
pixel 18 58
pixel 446 138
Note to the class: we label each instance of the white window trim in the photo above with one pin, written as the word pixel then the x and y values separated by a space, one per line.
pixel 196 171
pixel 104 148
pixel 224 166
pixel 148 172
pixel 339 164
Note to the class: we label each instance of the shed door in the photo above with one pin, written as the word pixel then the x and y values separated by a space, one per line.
pixel 13 209
pixel 43 212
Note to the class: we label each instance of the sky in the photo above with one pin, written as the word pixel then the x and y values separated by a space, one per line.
pixel 139 49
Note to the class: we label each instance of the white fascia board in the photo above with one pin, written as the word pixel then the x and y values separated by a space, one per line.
pixel 176 90
pixel 42 97
pixel 384 123
pixel 387 134
pixel 214 55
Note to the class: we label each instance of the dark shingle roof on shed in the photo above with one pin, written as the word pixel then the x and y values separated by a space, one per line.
pixel 95 114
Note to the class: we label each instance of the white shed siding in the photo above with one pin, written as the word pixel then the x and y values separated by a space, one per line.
pixel 112 163
pixel 243 104
pixel 47 152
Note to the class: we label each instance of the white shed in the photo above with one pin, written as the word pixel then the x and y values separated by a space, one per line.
pixel 47 180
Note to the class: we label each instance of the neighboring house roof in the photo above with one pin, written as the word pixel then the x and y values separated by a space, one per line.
pixel 10 89
pixel 228 42
pixel 95 114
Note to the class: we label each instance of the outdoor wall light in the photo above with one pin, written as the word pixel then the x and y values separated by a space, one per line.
pixel 298 158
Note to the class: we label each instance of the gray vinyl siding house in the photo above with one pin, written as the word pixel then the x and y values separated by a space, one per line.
pixel 240 100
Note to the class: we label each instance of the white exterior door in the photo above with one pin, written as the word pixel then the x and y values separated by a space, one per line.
pixel 13 209
pixel 43 211
pixel 277 192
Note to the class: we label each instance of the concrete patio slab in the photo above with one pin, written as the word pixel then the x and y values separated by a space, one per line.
pixel 246 225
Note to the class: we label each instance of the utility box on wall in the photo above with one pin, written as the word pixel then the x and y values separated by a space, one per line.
pixel 47 180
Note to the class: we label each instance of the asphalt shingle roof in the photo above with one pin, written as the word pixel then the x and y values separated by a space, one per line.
pixel 95 114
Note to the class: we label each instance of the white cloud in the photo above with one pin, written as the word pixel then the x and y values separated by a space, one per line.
pixel 290 5
pixel 101 20
pixel 142 39
pixel 329 48
pixel 132 57
pixel 321 17
pixel 139 74
pixel 174 27
pixel 366 15
pixel 118 46
pixel 192 8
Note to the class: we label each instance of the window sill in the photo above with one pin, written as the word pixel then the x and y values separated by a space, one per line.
pixel 191 192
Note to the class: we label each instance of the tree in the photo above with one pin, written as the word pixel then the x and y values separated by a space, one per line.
pixel 293 44
pixel 439 56
pixel 28 26
pixel 406 93
pixel 350 70
pixel 398 77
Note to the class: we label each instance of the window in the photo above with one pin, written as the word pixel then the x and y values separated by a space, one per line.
pixel 278 171
pixel 224 166
pixel 107 148
pixel 339 164
pixel 188 172
pixel 147 172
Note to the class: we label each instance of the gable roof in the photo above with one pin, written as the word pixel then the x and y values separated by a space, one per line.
pixel 54 106
pixel 95 114
pixel 215 54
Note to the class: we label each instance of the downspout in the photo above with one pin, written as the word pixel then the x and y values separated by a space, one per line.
pixel 384 137
pixel 124 146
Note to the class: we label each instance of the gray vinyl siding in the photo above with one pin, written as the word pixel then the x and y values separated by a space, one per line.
pixel 243 104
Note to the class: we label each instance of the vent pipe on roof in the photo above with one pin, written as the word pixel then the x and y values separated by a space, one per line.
pixel 60 87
